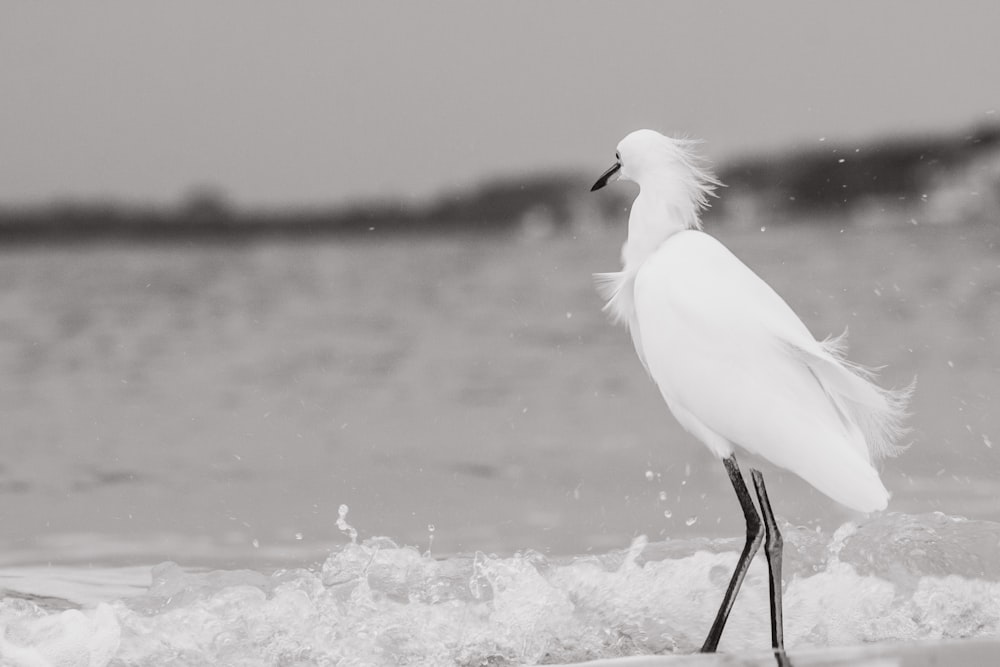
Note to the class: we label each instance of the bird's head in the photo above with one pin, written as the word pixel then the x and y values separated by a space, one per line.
pixel 651 159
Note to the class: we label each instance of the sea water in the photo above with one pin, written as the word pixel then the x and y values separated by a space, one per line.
pixel 214 405
pixel 197 400
pixel 894 577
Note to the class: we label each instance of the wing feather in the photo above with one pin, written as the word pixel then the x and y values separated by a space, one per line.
pixel 726 350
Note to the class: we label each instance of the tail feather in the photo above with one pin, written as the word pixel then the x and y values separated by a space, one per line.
pixel 877 414
pixel 864 493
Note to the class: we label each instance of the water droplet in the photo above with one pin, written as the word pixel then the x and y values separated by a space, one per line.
pixel 667 513
pixel 663 494
pixel 987 441
pixel 256 543
pixel 650 475
pixel 298 536
pixel 569 316
pixel 430 537
pixel 763 228
pixel 690 521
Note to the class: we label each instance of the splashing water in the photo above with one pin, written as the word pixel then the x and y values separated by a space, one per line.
pixel 345 527
pixel 896 577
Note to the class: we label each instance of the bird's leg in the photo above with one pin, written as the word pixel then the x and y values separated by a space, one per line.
pixel 772 549
pixel 781 659
pixel 755 534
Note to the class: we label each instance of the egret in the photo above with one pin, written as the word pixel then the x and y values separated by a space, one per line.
pixel 734 364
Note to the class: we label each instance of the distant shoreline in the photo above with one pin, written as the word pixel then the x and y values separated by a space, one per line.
pixel 938 179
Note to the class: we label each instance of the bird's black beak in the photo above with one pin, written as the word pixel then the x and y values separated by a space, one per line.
pixel 606 176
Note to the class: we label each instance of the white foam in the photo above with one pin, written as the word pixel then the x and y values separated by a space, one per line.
pixel 894 578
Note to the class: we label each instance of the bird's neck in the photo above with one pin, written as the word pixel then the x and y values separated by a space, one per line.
pixel 657 214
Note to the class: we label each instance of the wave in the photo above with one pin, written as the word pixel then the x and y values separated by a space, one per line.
pixel 894 577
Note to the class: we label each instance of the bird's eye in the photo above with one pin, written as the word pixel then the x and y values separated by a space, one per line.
pixel 618 156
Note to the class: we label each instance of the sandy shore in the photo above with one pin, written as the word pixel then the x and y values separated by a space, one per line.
pixel 968 653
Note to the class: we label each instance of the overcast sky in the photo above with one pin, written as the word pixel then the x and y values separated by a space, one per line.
pixel 309 102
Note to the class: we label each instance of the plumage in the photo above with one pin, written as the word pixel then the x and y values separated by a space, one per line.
pixel 729 351
pixel 734 364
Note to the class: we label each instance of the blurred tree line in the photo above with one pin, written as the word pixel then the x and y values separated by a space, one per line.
pixel 938 179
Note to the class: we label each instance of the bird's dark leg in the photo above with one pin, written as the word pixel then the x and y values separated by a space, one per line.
pixel 781 659
pixel 755 534
pixel 772 548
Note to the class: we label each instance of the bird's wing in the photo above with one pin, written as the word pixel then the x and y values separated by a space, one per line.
pixel 876 412
pixel 727 351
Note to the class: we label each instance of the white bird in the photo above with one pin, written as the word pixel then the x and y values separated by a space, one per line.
pixel 735 365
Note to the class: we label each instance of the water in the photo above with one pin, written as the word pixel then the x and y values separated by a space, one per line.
pixel 894 578
pixel 216 405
